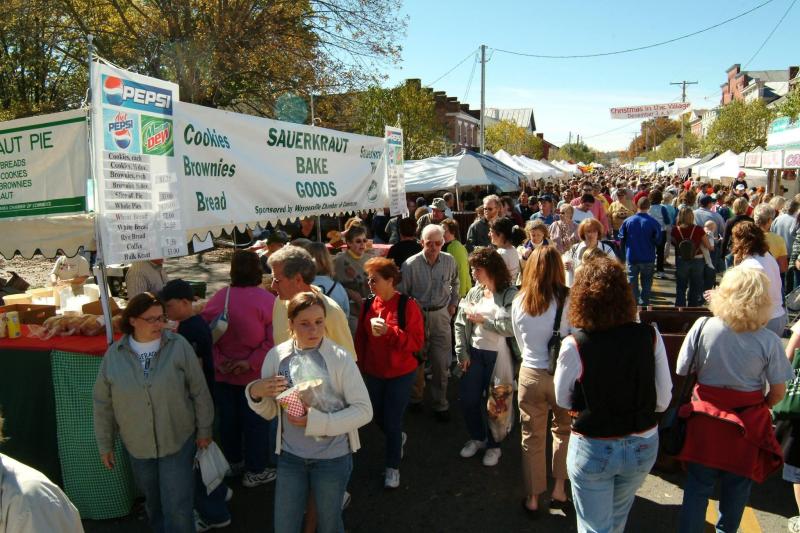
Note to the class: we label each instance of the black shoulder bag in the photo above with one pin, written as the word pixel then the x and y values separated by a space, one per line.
pixel 554 344
pixel 672 428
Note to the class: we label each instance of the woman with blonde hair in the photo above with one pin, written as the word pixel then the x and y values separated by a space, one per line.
pixel 734 357
pixel 324 278
pixel 564 231
pixel 537 234
pixel 540 308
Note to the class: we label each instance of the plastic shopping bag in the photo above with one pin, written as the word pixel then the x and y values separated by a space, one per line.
pixel 314 384
pixel 213 466
pixel 500 405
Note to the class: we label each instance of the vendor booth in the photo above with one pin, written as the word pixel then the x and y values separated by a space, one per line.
pixel 163 173
pixel 466 169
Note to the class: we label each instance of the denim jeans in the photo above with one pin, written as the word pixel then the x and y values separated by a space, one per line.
pixel 168 487
pixel 474 383
pixel 660 249
pixel 689 275
pixel 211 507
pixel 605 474
pixel 389 399
pixel 700 481
pixel 325 478
pixel 641 272
pixel 237 420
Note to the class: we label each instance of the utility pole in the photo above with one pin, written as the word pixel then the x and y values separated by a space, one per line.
pixel 570 138
pixel 683 84
pixel 483 98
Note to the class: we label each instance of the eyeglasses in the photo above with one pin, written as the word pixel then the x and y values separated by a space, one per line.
pixel 153 319
pixel 359 241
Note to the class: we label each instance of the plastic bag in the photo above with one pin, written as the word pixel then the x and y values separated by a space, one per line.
pixel 213 466
pixel 319 395
pixel 500 405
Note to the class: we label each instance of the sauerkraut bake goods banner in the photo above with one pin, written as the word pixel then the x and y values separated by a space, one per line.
pixel 44 165
pixel 240 169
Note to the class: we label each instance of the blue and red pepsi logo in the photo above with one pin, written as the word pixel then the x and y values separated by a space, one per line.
pixel 126 93
pixel 121 130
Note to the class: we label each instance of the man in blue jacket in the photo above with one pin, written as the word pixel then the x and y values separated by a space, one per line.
pixel 639 235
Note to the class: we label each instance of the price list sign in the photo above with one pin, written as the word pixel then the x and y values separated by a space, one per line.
pixel 140 208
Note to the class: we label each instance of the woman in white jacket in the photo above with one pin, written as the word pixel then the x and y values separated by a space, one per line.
pixel 315 447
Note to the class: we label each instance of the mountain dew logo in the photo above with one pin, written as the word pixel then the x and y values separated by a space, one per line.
pixel 156 136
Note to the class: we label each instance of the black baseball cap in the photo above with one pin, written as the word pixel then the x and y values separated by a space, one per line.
pixel 176 289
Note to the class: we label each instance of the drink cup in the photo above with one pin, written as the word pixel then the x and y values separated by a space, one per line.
pixel 376 323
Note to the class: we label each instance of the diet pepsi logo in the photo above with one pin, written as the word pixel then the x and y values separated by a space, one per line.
pixel 121 130
pixel 127 93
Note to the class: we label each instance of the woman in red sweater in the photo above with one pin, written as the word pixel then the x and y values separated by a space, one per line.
pixel 385 344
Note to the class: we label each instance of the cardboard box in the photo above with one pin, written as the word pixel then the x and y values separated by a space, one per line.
pixel 31 314
pixel 94 308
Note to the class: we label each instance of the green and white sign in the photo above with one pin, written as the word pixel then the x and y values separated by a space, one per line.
pixel 44 165
pixel 241 169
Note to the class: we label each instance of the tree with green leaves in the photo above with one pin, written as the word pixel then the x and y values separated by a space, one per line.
pixel 413 106
pixel 671 147
pixel 238 54
pixel 791 106
pixel 739 127
pixel 652 133
pixel 514 139
pixel 576 152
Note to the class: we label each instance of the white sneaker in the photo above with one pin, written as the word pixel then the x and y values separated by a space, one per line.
pixel 250 479
pixel 403 445
pixel 471 448
pixel 794 524
pixel 392 479
pixel 491 457
pixel 229 495
pixel 201 525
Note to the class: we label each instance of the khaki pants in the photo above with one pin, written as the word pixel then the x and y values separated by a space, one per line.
pixel 438 348
pixel 536 398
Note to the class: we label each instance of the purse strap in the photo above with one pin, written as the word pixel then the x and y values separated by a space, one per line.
pixel 557 321
pixel 227 297
pixel 686 387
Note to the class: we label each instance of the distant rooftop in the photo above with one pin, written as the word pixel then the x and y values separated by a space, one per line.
pixel 522 117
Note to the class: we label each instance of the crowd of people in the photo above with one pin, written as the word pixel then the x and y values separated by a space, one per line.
pixel 533 303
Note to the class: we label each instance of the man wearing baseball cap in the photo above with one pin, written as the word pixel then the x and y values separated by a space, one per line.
pixel 740 180
pixel 437 214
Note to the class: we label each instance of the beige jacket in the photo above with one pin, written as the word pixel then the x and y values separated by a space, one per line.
pixel 346 381
pixel 31 503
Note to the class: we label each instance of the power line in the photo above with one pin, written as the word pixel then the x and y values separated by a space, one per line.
pixel 638 48
pixel 455 67
pixel 770 34
pixel 471 76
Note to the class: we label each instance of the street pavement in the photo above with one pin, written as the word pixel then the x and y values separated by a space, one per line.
pixel 441 492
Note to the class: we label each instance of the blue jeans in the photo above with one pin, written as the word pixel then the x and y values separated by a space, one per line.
pixel 326 478
pixel 389 399
pixel 643 272
pixel 605 474
pixel 474 383
pixel 211 507
pixel 168 487
pixel 700 481
pixel 237 420
pixel 689 275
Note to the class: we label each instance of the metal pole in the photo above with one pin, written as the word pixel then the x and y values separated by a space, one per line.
pixel 483 97
pixel 100 267
pixel 312 109
pixel 683 85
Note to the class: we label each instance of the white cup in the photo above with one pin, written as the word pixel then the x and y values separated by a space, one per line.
pixel 376 322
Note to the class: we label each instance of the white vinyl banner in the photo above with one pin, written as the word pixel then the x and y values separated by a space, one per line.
pixel 650 111
pixel 44 165
pixel 394 170
pixel 135 168
pixel 241 169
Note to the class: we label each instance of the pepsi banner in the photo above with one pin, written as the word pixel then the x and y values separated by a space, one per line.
pixel 44 165
pixel 239 169
pixel 135 166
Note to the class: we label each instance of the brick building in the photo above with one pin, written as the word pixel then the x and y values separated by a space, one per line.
pixel 749 85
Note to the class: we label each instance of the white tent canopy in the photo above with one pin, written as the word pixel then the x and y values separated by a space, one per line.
pixel 559 173
pixel 462 170
pixel 701 169
pixel 511 160
pixel 682 163
pixel 730 169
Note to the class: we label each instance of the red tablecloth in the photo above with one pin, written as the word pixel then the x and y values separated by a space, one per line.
pixel 74 343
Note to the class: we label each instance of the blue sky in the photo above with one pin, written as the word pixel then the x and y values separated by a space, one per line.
pixel 575 94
